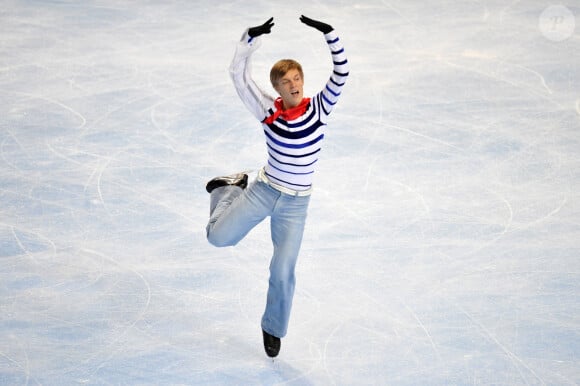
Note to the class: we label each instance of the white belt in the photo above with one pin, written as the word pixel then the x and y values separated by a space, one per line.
pixel 263 178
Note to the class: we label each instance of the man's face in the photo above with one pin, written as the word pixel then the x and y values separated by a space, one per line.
pixel 290 87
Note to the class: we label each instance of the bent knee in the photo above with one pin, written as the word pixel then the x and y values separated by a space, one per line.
pixel 219 241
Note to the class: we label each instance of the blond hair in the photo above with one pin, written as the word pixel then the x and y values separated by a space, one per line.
pixel 281 67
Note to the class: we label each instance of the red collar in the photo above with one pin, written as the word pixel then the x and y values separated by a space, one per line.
pixel 289 114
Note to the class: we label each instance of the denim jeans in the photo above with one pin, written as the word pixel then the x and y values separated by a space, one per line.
pixel 234 212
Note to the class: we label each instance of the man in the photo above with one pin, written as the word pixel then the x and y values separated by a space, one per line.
pixel 294 129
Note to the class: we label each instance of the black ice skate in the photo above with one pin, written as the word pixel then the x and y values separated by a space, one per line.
pixel 271 344
pixel 240 179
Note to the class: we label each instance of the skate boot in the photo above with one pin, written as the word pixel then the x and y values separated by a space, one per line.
pixel 240 179
pixel 271 344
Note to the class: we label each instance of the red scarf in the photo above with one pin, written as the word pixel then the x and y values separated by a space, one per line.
pixel 289 114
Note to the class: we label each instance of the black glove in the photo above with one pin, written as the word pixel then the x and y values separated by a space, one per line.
pixel 322 27
pixel 261 29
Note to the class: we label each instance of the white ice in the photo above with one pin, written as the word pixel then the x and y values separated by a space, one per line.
pixel 442 240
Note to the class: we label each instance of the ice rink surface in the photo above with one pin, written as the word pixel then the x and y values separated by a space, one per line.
pixel 442 244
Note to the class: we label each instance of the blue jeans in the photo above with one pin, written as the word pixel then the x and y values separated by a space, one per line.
pixel 234 212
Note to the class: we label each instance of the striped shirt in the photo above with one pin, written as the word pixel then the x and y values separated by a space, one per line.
pixel 294 145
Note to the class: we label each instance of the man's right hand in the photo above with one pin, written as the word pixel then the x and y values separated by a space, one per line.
pixel 261 29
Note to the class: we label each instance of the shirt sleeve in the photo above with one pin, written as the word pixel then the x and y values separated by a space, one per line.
pixel 256 101
pixel 330 94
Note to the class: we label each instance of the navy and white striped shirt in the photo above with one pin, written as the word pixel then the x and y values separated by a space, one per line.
pixel 293 146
